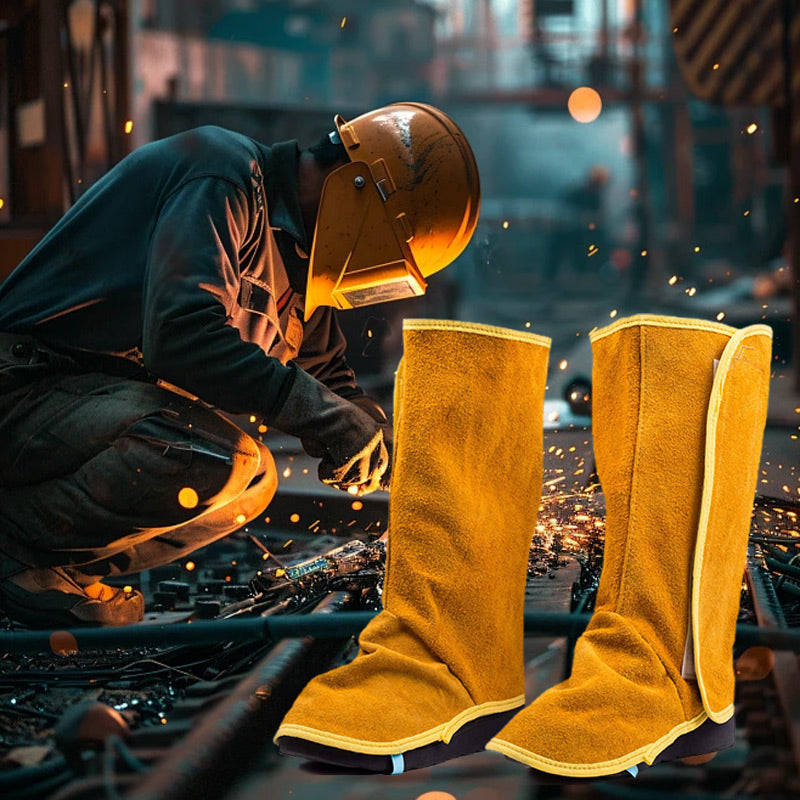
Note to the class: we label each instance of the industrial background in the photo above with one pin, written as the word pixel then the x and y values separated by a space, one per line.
pixel 634 157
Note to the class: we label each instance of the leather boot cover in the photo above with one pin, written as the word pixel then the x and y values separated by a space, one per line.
pixel 465 490
pixel 677 439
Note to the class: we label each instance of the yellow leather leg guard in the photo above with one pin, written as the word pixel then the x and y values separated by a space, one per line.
pixel 679 410
pixel 440 669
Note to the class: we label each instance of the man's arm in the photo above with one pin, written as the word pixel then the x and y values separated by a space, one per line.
pixel 191 288
pixel 322 355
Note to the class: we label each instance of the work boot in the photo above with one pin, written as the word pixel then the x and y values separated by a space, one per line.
pixel 54 597
pixel 679 409
pixel 440 669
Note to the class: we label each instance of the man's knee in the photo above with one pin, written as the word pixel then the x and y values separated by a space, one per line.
pixel 183 465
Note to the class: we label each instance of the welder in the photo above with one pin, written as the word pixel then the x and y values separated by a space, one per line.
pixel 200 278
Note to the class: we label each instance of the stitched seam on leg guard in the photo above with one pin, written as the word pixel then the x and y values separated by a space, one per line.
pixel 442 732
pixel 474 327
pixel 658 321
pixel 647 753
pixel 712 421
pixel 626 560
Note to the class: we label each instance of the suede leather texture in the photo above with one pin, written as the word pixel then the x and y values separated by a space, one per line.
pixel 625 699
pixel 465 491
pixel 740 426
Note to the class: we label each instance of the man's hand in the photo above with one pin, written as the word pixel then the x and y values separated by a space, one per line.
pixel 366 403
pixel 363 473
pixel 349 441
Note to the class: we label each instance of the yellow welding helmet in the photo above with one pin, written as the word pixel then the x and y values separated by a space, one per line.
pixel 403 208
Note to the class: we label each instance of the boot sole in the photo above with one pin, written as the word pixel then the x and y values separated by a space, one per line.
pixel 470 738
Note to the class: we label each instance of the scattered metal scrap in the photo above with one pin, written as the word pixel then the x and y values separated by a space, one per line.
pixel 145 719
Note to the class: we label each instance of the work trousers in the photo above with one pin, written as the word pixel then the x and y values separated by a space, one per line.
pixel 92 465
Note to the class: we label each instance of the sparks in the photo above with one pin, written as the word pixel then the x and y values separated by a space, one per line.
pixel 751 128
pixel 643 253
pixel 612 313
pixel 563 363
pixel 720 316
pixel 187 497
pixel 673 280
pixel 241 519
pixel 716 66
pixel 505 224
pixel 287 472
pixel 356 505
pixel 262 428
pixel 697 248
pixel 294 517
pixel 343 22
pixel 128 125
pixel 252 418
pixel 747 213
pixel 190 566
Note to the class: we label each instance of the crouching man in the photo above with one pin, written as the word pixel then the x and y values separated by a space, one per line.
pixel 202 274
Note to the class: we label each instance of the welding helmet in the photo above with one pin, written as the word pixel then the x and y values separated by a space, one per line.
pixel 403 208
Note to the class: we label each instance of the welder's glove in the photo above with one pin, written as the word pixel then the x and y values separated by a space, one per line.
pixel 366 403
pixel 348 440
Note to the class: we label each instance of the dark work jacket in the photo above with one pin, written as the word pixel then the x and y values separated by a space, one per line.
pixel 182 258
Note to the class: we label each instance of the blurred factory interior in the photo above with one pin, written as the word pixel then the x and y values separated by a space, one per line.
pixel 634 157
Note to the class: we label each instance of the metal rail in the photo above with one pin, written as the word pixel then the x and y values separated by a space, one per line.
pixel 321 626
pixel 786 673
pixel 214 754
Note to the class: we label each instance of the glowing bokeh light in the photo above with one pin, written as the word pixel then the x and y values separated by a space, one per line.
pixel 584 104
pixel 188 498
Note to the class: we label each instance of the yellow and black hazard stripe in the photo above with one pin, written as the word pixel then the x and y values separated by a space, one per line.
pixel 733 51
